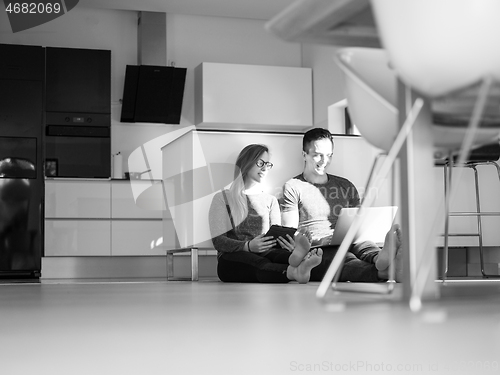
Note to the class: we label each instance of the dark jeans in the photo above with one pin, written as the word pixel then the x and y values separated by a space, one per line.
pixel 245 267
pixel 359 264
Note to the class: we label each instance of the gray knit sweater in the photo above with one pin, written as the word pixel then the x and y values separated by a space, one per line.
pixel 263 211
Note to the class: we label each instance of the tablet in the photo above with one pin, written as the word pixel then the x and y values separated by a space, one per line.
pixel 280 231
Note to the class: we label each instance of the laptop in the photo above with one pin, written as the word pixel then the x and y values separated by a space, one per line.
pixel 376 223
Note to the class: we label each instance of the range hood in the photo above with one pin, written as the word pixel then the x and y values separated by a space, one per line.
pixel 153 92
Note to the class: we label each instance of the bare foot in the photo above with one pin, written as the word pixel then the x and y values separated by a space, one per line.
pixel 398 264
pixel 302 246
pixel 391 247
pixel 302 273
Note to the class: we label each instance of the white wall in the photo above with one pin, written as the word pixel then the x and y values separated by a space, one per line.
pixel 328 84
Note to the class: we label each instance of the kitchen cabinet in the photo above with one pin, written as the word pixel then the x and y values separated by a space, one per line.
pixel 253 97
pixel 124 206
pixel 21 62
pixel 136 237
pixel 77 237
pixel 73 199
pixel 134 230
pixel 100 218
pixel 78 81
pixel 77 218
pixel 78 112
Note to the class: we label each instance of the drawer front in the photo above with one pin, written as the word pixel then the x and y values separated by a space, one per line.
pixel 71 199
pixel 137 237
pixel 125 205
pixel 77 238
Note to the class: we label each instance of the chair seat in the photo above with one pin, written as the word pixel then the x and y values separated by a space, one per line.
pixel 486 153
pixel 462 121
pixel 440 46
pixel 454 109
pixel 371 89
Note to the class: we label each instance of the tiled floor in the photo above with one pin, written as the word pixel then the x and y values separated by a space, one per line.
pixel 157 327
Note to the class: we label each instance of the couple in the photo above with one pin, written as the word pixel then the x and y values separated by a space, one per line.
pixel 240 216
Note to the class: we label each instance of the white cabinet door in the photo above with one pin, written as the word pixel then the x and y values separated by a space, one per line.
pixel 137 237
pixel 253 97
pixel 124 204
pixel 77 238
pixel 77 199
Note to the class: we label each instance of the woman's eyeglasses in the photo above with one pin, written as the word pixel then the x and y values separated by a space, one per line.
pixel 261 163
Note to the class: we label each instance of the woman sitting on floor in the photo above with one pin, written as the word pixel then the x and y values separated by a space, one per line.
pixel 239 218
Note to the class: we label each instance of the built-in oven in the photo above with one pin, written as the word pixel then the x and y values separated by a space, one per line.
pixel 77 146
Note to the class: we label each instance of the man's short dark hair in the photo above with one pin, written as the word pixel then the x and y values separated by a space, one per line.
pixel 314 135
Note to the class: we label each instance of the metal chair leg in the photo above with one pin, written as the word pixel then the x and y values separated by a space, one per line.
pixel 473 165
pixel 497 167
pixel 447 185
pixel 479 227
pixel 478 213
pixel 194 264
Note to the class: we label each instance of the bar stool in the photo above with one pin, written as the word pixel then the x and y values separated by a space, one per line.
pixel 482 156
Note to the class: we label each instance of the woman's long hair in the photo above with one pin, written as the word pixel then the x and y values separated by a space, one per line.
pixel 245 161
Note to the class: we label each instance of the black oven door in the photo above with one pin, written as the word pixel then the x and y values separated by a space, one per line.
pixel 78 151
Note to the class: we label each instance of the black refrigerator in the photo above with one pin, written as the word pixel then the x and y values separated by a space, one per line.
pixel 21 171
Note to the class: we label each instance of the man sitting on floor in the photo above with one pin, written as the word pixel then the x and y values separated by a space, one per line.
pixel 312 201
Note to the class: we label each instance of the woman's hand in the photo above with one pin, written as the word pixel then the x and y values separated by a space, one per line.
pixel 261 243
pixel 287 243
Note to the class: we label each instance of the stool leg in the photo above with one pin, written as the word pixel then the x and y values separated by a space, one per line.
pixel 479 227
pixel 193 252
pixel 170 266
pixel 497 167
pixel 481 247
pixel 498 173
pixel 194 264
pixel 447 185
